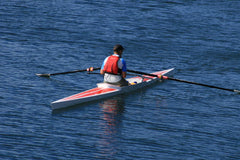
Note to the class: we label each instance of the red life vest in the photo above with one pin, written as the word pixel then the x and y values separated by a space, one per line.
pixel 111 65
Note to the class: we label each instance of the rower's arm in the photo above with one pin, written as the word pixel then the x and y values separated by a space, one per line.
pixel 101 71
pixel 124 74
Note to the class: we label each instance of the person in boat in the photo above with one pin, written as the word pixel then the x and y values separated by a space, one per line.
pixel 114 67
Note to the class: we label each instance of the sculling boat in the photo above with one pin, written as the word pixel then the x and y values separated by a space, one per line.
pixel 105 90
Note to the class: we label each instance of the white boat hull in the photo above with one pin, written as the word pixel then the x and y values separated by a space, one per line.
pixel 105 90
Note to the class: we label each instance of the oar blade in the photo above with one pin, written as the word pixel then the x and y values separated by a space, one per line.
pixel 43 75
pixel 237 91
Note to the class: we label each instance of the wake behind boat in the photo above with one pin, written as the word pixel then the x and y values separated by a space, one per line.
pixel 105 90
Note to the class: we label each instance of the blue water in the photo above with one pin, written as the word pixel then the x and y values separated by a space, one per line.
pixel 171 120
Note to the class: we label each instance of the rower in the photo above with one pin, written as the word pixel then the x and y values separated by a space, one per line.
pixel 114 68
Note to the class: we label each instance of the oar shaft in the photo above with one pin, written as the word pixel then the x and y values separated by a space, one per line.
pixel 139 72
pixel 205 85
pixel 184 81
pixel 53 74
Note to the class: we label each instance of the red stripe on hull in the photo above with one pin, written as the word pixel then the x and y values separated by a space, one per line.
pixel 91 92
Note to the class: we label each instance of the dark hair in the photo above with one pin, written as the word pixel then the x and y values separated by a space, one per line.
pixel 118 48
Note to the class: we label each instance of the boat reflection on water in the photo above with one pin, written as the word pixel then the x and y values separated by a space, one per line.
pixel 113 110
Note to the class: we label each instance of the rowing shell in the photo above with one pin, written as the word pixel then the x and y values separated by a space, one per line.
pixel 105 90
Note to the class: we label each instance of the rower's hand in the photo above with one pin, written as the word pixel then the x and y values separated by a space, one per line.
pixel 160 77
pixel 90 69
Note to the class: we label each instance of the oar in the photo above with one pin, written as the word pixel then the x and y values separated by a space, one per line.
pixel 53 74
pixel 180 80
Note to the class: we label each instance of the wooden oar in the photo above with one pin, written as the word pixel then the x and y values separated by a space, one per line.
pixel 180 80
pixel 53 74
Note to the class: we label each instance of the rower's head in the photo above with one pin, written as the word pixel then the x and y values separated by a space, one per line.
pixel 118 49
